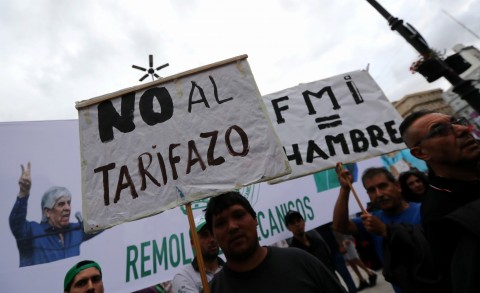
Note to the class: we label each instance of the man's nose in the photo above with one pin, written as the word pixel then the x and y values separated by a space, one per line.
pixel 376 192
pixel 210 237
pixel 89 284
pixel 462 129
pixel 232 224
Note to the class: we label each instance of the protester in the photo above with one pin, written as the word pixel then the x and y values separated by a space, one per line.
pixel 334 241
pixel 314 245
pixel 189 280
pixel 414 185
pixel 254 268
pixel 384 191
pixel 85 276
pixel 54 237
pixel 451 208
pixel 352 258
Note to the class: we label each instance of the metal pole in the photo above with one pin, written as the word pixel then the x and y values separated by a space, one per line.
pixel 464 88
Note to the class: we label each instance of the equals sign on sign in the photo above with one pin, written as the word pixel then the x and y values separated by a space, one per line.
pixel 328 121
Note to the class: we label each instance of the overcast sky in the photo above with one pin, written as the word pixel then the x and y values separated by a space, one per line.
pixel 55 53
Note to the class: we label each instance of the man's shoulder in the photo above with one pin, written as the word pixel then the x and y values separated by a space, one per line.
pixel 447 186
pixel 414 205
pixel 315 236
pixel 273 250
pixel 412 214
pixel 294 243
pixel 185 272
pixel 414 209
pixel 290 253
pixel 443 197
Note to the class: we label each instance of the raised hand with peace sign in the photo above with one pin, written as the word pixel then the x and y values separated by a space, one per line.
pixel 25 181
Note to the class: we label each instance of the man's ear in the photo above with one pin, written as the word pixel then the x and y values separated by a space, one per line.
pixel 46 212
pixel 417 153
pixel 397 184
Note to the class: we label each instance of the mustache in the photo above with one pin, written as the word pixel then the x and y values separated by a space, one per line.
pixel 383 198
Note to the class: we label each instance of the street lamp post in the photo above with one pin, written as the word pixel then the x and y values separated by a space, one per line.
pixel 438 67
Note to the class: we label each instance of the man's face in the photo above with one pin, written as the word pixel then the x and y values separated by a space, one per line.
pixel 416 185
pixel 296 226
pixel 208 244
pixel 236 232
pixel 386 195
pixel 59 215
pixel 454 147
pixel 87 281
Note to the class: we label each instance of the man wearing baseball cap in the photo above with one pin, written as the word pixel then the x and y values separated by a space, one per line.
pixel 188 279
pixel 85 276
pixel 314 245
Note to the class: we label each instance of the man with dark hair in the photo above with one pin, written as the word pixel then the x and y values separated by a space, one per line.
pixel 83 277
pixel 253 268
pixel 314 245
pixel 188 280
pixel 385 193
pixel 451 208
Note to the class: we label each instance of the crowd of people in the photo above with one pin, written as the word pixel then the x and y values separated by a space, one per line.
pixel 424 229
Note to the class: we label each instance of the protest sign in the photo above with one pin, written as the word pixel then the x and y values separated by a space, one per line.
pixel 345 118
pixel 140 253
pixel 175 140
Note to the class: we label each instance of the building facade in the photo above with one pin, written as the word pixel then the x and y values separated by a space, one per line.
pixel 426 100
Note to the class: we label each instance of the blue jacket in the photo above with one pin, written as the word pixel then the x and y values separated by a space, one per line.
pixel 40 242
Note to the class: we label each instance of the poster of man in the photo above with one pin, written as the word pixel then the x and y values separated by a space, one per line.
pixel 54 237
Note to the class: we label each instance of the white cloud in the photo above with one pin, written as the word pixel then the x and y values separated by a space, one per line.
pixel 56 53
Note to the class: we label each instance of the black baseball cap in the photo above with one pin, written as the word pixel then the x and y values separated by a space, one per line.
pixel 292 215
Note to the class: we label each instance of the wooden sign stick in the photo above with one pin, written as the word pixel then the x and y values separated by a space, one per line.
pixel 198 250
pixel 341 169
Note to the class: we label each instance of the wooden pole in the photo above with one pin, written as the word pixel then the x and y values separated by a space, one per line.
pixel 198 250
pixel 341 169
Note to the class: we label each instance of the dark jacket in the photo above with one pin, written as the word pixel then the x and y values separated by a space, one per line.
pixel 40 242
pixel 408 259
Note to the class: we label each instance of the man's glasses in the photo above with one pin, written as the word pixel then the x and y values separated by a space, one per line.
pixel 443 129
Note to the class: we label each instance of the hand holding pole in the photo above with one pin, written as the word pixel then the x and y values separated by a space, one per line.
pixel 341 172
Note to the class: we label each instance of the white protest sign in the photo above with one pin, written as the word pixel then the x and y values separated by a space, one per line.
pixel 345 118
pixel 141 253
pixel 182 138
